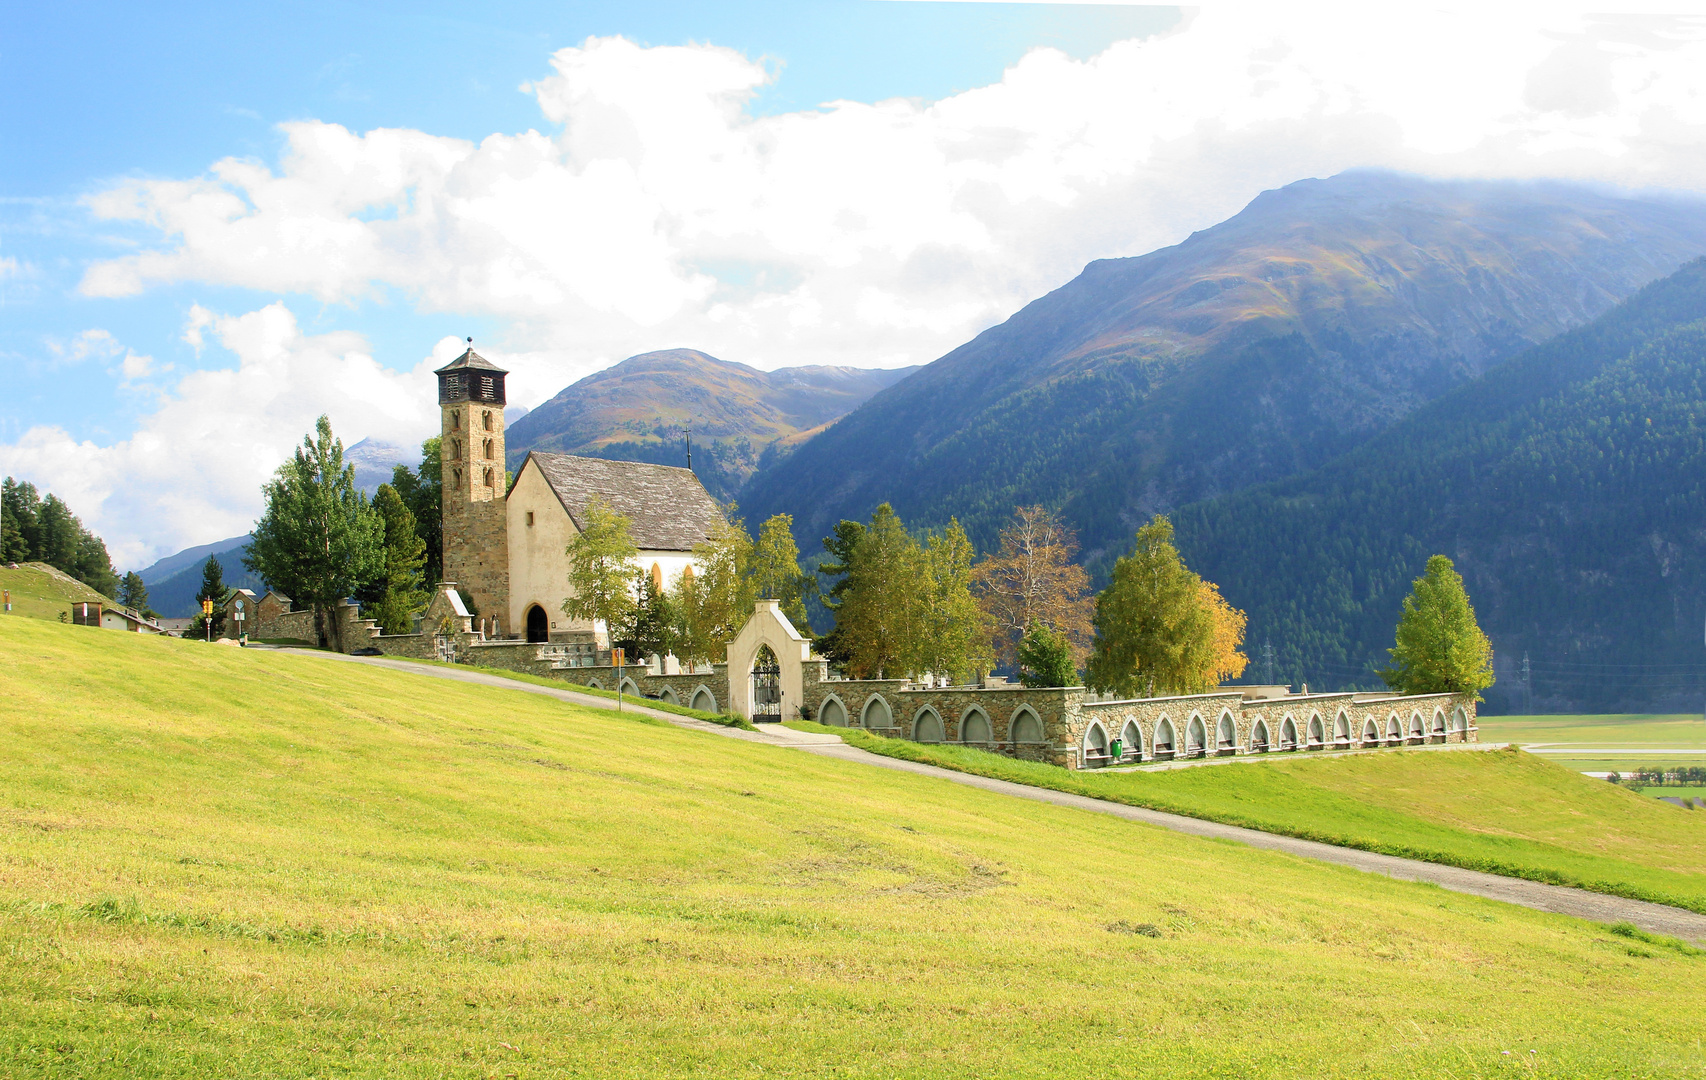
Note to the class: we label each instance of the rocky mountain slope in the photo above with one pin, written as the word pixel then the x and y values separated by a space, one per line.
pixel 635 411
pixel 1255 350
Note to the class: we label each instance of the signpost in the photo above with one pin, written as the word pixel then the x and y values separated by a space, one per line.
pixel 240 616
pixel 207 619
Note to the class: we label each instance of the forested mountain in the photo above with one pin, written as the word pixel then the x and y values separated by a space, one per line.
pixel 175 596
pixel 1568 485
pixel 635 410
pixel 194 556
pixel 1255 350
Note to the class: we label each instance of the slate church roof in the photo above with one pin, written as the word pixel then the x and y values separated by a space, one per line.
pixel 470 359
pixel 667 507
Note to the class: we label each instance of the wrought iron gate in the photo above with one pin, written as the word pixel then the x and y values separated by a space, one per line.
pixel 766 686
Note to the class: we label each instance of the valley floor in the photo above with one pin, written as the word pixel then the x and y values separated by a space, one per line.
pixel 233 862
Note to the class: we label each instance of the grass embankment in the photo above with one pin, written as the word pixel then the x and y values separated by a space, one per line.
pixel 251 863
pixel 725 719
pixel 40 592
pixel 1502 811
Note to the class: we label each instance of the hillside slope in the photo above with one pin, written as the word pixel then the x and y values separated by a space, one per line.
pixel 1257 349
pixel 634 411
pixel 1569 485
pixel 374 879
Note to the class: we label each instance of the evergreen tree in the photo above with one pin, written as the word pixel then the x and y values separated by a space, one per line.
pixel 776 572
pixel 841 545
pixel 1159 627
pixel 133 594
pixel 212 588
pixel 395 596
pixel 423 493
pixel 1045 658
pixel 601 565
pixel 1440 648
pixel 318 540
pixel 36 529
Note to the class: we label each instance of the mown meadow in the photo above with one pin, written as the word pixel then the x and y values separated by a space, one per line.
pixel 1498 810
pixel 233 862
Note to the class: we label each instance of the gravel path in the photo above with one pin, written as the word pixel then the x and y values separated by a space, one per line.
pixel 1653 918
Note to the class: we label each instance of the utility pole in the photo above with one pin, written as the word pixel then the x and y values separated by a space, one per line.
pixel 1528 683
pixel 1268 662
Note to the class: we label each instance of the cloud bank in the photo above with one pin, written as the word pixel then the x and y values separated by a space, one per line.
pixel 653 210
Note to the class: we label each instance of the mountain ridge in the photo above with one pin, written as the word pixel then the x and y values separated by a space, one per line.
pixel 635 410
pixel 1256 349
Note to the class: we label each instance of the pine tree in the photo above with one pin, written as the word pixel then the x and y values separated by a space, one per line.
pixel 423 493
pixel 841 545
pixel 212 588
pixel 395 596
pixel 318 540
pixel 1440 648
pixel 133 594
pixel 601 566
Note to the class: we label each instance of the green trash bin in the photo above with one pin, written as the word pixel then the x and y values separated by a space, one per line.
pixel 1115 750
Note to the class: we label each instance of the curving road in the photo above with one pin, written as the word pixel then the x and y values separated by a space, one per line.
pixel 1653 918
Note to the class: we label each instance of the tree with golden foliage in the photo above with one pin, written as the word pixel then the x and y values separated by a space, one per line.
pixel 1032 580
pixel 1225 660
pixel 1161 629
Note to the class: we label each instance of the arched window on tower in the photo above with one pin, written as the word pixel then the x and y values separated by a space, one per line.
pixel 456 449
pixel 456 420
pixel 488 449
pixel 486 417
pixel 456 479
pixel 488 478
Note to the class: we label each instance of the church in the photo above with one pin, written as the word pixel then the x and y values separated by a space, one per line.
pixel 505 545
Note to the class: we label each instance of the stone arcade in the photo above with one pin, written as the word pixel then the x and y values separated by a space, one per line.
pixel 506 551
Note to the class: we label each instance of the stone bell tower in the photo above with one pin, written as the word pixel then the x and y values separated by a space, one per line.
pixel 476 538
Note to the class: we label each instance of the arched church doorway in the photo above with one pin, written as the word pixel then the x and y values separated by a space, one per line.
pixel 538 624
pixel 766 686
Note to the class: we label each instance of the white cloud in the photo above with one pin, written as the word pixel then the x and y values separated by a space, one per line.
pixel 662 214
pixel 192 471
pixel 656 212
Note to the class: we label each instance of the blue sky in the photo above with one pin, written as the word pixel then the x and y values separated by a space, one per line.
pixel 217 221
pixel 106 91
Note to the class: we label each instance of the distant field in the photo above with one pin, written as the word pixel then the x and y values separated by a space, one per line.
pixel 1498 810
pixel 1571 740
pixel 223 862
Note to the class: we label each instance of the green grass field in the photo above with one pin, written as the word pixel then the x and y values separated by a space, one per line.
pixel 245 863
pixel 1498 810
pixel 1571 741
pixel 39 594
